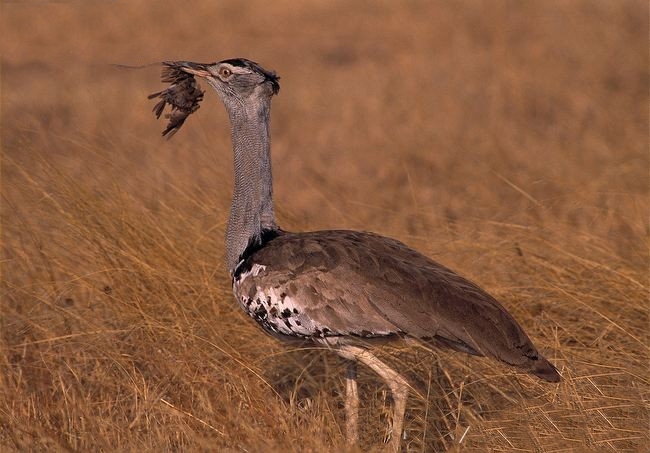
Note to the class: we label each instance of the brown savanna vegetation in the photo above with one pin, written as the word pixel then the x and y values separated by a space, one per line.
pixel 507 140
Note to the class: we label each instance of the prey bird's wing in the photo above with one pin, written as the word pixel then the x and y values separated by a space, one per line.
pixel 183 95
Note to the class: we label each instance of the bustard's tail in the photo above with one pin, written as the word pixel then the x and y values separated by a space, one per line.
pixel 544 369
pixel 533 363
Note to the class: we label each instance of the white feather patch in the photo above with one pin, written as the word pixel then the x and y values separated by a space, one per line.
pixel 273 308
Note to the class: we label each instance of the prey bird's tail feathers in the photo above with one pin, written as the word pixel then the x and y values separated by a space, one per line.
pixel 183 96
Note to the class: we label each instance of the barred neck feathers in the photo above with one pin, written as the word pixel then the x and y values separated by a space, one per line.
pixel 252 204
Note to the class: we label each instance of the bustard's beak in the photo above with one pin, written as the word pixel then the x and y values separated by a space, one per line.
pixel 198 69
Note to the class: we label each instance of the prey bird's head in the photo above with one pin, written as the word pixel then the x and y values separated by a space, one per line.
pixel 240 83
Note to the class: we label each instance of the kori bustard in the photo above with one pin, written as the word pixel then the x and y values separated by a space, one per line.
pixel 340 289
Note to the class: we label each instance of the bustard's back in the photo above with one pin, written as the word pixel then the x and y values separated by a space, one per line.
pixel 341 289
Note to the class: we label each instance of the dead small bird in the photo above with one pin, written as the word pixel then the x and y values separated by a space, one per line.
pixel 183 95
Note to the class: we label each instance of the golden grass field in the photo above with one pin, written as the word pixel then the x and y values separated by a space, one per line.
pixel 507 140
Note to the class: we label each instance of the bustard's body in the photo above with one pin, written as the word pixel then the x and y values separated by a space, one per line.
pixel 337 288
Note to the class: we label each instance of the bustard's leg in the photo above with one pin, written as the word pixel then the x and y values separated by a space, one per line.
pixel 397 384
pixel 351 403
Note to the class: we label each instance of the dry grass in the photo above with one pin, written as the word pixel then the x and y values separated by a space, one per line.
pixel 508 140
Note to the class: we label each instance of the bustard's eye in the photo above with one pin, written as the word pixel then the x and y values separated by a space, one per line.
pixel 225 72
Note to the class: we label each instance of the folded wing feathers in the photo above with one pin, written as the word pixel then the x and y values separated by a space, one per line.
pixel 362 284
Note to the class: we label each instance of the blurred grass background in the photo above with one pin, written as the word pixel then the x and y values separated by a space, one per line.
pixel 506 139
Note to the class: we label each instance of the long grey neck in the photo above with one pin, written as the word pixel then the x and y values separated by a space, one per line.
pixel 251 211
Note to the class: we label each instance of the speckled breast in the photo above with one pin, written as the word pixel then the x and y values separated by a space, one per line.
pixel 272 307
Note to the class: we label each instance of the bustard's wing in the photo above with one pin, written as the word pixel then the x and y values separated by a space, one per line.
pixel 183 95
pixel 357 284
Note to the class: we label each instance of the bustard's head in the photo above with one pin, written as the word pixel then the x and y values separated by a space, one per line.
pixel 241 84
pixel 237 81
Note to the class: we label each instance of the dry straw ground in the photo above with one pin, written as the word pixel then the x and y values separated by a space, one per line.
pixel 508 140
